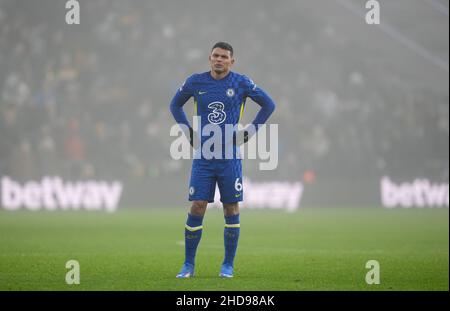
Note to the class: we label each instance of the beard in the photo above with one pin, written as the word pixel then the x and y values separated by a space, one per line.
pixel 219 70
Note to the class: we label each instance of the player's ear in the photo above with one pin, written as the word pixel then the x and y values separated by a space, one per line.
pixel 232 60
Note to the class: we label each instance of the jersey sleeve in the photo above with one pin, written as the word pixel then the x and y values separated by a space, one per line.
pixel 259 96
pixel 182 95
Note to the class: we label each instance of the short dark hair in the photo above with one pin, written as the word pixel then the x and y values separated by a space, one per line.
pixel 223 45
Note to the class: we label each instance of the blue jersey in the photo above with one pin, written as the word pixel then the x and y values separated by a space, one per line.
pixel 220 102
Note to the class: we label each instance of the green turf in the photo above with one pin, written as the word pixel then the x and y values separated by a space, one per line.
pixel 311 249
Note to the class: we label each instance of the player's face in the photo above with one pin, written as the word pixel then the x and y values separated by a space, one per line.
pixel 220 60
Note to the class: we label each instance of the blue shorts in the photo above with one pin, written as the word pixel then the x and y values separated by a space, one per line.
pixel 226 173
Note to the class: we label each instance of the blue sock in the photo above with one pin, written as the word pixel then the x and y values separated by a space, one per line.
pixel 192 234
pixel 231 237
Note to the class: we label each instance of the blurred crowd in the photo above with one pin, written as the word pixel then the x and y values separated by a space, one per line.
pixel 91 100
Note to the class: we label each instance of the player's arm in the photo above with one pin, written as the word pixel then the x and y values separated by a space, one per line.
pixel 266 103
pixel 176 106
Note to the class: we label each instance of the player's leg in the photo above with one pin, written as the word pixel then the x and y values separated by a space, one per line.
pixel 231 193
pixel 230 237
pixel 193 231
pixel 201 191
pixel 192 235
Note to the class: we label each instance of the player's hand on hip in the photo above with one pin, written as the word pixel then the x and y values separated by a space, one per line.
pixel 241 137
pixel 193 140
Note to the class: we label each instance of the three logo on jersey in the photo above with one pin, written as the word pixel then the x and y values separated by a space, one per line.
pixel 218 115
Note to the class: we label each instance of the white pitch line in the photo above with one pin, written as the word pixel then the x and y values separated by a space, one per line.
pixel 326 250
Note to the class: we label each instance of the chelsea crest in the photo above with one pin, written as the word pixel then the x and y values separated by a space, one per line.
pixel 230 92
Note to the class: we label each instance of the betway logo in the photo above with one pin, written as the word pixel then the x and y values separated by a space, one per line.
pixel 419 193
pixel 272 195
pixel 52 193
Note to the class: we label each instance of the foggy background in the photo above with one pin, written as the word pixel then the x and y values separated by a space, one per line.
pixel 355 102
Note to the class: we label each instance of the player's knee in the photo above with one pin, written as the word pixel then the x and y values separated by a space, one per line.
pixel 231 209
pixel 198 207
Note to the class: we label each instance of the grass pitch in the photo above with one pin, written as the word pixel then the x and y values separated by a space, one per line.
pixel 311 249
